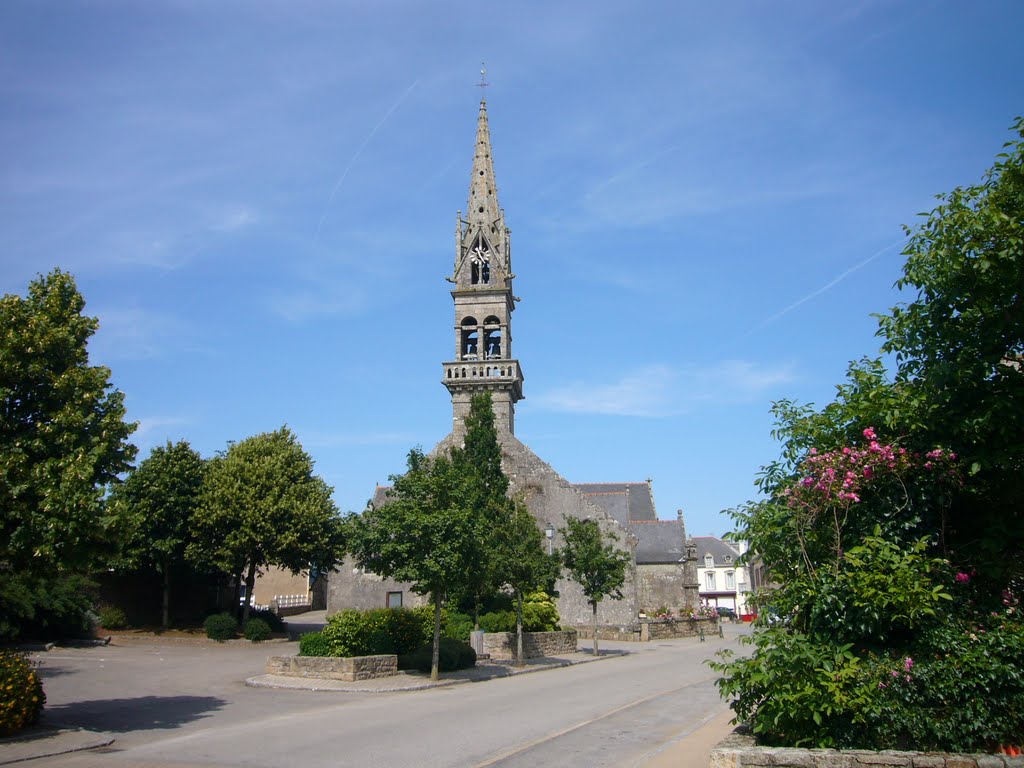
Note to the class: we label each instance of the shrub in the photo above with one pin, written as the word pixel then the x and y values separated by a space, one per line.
pixel 539 613
pixel 314 644
pixel 21 693
pixel 256 630
pixel 53 606
pixel 275 622
pixel 221 627
pixel 112 617
pixel 498 621
pixel 385 630
pixel 459 627
pixel 452 655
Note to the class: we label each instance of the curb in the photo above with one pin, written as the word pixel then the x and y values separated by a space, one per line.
pixel 48 741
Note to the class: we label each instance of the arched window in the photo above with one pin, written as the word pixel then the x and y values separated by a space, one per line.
pixel 492 338
pixel 470 342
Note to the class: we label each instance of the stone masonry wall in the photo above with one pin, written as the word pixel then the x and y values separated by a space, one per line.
pixel 660 585
pixel 502 645
pixel 740 751
pixel 351 668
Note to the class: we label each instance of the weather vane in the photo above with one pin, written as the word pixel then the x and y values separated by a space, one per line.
pixel 483 80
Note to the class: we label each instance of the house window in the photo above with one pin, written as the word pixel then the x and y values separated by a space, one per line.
pixel 394 599
pixel 710 577
pixel 709 560
pixel 730 580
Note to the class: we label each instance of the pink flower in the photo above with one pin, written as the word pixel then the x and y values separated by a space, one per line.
pixel 895 673
pixel 908 663
pixel 963 578
pixel 869 433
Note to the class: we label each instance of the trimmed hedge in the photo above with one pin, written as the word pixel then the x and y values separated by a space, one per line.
pixel 112 617
pixel 21 693
pixel 275 622
pixel 383 630
pixel 314 644
pixel 452 655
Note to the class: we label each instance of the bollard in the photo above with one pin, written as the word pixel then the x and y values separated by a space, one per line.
pixel 701 633
pixel 721 630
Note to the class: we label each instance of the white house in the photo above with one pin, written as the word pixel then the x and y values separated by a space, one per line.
pixel 723 583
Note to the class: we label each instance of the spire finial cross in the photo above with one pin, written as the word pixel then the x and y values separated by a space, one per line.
pixel 483 80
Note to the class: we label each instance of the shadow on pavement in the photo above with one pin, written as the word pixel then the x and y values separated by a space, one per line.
pixel 139 714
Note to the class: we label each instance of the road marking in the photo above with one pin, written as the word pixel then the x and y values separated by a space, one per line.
pixel 558 734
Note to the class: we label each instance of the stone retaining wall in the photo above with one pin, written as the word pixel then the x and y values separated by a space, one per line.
pixel 740 751
pixel 629 633
pixel 350 668
pixel 502 645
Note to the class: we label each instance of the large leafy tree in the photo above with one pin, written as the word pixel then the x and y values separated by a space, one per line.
pixel 63 434
pixel 426 534
pixel 593 563
pixel 261 506
pixel 478 461
pixel 63 440
pixel 154 507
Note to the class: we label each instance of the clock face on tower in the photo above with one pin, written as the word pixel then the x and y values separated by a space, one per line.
pixel 480 258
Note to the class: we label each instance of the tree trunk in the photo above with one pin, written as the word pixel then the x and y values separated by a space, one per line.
pixel 250 582
pixel 520 661
pixel 165 618
pixel 435 661
pixel 594 603
pixel 476 611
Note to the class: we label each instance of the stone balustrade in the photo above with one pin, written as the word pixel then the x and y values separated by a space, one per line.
pixel 491 370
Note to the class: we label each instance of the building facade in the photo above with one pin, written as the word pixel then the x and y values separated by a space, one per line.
pixel 723 581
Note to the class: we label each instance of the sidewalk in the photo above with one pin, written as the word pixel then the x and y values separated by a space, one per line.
pixel 690 749
pixel 49 742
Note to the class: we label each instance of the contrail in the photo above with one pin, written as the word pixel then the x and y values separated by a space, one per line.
pixel 827 286
pixel 358 152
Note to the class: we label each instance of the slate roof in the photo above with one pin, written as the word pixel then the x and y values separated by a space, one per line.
pixel 717 548
pixel 632 505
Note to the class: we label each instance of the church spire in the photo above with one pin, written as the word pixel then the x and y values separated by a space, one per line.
pixel 483 210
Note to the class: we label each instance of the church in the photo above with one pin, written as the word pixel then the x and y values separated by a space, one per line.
pixel 662 570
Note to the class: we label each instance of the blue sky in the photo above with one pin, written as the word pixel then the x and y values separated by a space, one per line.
pixel 258 201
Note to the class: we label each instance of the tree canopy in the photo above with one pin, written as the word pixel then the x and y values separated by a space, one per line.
pixel 154 508
pixel 63 434
pixel 593 563
pixel 261 505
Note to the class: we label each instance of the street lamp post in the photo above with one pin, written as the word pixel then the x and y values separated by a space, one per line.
pixel 549 532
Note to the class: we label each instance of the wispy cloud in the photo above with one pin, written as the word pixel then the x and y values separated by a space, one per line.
pixel 134 334
pixel 661 390
pixel 153 429
pixel 356 154
pixel 829 285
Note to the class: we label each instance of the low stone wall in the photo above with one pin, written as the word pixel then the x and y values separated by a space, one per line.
pixel 629 633
pixel 502 645
pixel 665 629
pixel 740 751
pixel 350 668
pixel 646 630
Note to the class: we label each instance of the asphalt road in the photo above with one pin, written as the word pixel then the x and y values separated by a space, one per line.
pixel 185 705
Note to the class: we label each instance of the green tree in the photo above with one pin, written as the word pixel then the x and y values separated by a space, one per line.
pixel 63 440
pixel 261 506
pixel 426 534
pixel 899 550
pixel 520 560
pixel 478 461
pixel 154 507
pixel 596 565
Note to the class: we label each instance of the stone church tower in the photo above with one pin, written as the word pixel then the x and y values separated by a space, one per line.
pixel 662 571
pixel 483 298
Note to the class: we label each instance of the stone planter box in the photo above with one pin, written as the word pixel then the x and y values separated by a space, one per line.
pixel 502 645
pixel 350 668
pixel 740 751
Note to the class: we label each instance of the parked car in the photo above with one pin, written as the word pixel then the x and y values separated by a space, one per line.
pixel 725 612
